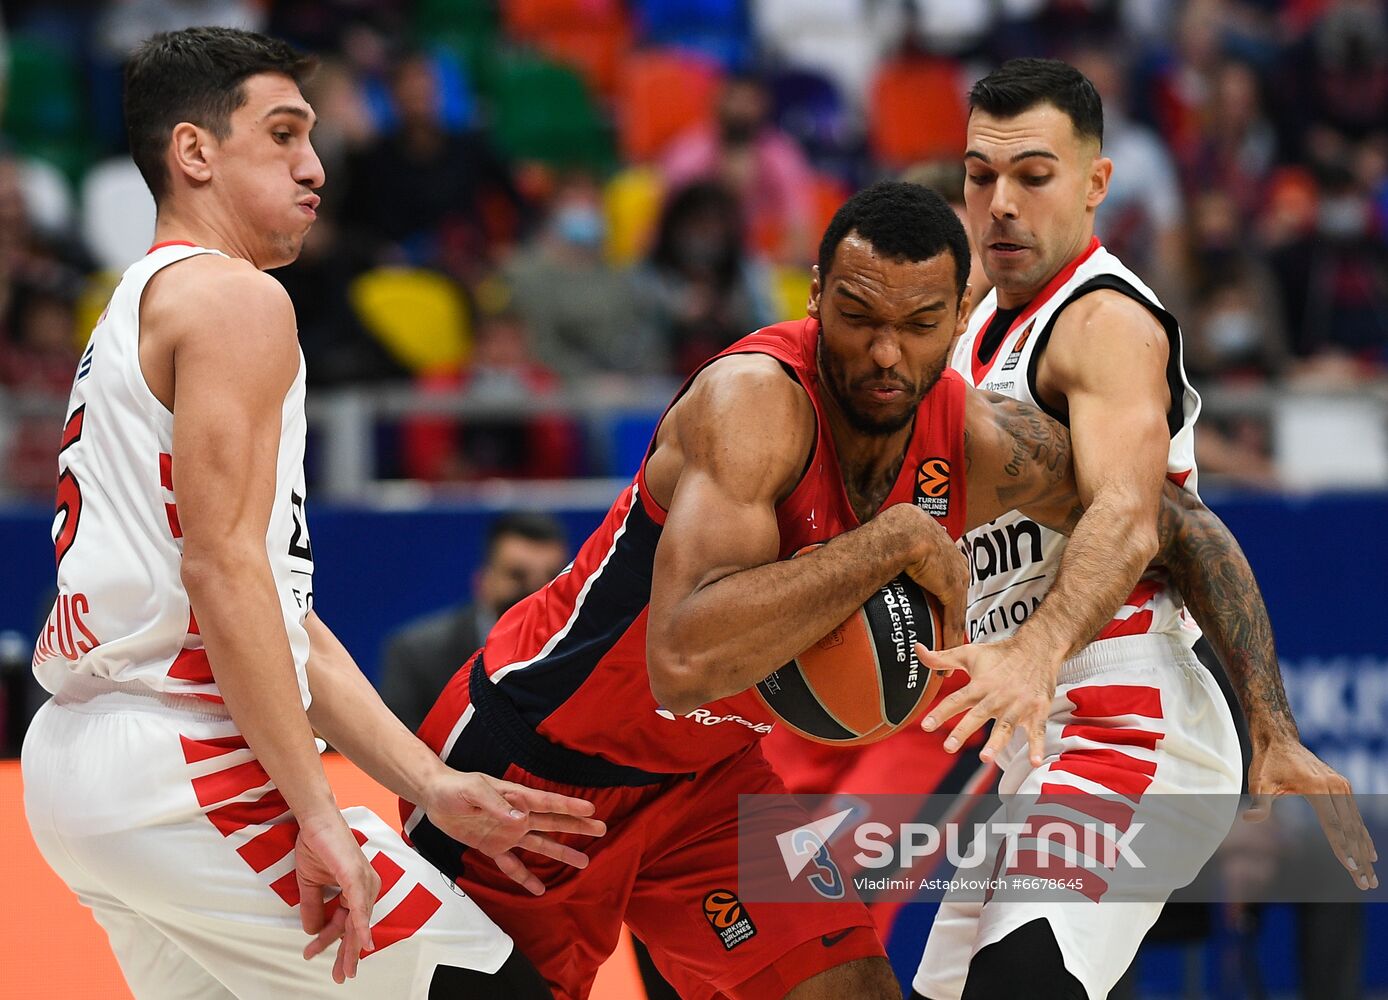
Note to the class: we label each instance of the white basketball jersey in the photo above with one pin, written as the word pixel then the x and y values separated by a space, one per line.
pixel 1013 560
pixel 122 612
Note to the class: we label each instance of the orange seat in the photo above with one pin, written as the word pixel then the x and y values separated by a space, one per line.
pixel 589 36
pixel 661 93
pixel 526 19
pixel 917 111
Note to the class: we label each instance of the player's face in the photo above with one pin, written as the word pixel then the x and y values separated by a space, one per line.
pixel 1032 187
pixel 885 327
pixel 269 170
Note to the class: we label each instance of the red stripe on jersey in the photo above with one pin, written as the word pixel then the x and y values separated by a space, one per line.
pixel 1091 884
pixel 389 871
pixel 266 848
pixel 174 527
pixel 1104 810
pixel 413 913
pixel 169 243
pixel 1089 841
pixel 1136 624
pixel 1102 701
pixel 1116 771
pixel 192 665
pixel 1145 738
pixel 979 366
pixel 196 750
pixel 222 785
pixel 1179 478
pixel 73 430
pixel 239 815
pixel 166 471
pixel 216 699
pixel 287 887
pixel 193 623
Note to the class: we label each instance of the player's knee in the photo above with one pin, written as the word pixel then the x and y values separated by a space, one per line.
pixel 516 980
pixel 865 978
pixel 1027 963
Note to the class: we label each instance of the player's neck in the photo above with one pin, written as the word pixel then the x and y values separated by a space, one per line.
pixel 865 457
pixel 175 225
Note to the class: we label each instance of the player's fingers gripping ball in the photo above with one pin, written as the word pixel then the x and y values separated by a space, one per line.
pixel 862 682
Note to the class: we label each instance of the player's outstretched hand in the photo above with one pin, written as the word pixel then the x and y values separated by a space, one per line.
pixel 1008 681
pixel 1285 767
pixel 327 854
pixel 498 817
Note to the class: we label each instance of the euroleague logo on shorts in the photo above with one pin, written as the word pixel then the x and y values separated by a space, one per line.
pixel 728 918
pixel 932 487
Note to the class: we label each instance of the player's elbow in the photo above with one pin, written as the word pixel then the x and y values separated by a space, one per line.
pixel 675 679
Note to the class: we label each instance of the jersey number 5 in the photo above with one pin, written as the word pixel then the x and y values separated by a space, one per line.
pixel 69 507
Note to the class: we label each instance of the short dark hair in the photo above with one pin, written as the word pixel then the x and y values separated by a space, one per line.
pixel 195 75
pixel 1019 85
pixel 903 221
pixel 530 525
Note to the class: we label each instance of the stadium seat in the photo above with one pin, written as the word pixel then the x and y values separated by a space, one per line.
pixel 790 291
pixel 91 303
pixel 662 92
pixel 542 111
pixel 717 29
pixel 117 213
pixel 917 111
pixel 589 36
pixel 43 111
pixel 419 316
pixel 631 202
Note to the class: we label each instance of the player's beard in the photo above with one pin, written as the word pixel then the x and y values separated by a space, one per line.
pixel 866 423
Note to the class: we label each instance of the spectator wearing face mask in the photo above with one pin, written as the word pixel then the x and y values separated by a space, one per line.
pixel 524 552
pixel 699 289
pixel 578 308
pixel 760 164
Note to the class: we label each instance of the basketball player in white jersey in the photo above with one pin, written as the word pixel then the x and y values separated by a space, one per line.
pixel 1069 329
pixel 174 780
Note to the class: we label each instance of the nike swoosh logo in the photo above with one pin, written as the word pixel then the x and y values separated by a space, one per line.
pixel 829 940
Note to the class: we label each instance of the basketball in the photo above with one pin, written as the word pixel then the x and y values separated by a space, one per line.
pixel 862 682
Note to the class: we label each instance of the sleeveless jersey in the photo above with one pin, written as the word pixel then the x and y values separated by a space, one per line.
pixel 1013 560
pixel 122 612
pixel 571 658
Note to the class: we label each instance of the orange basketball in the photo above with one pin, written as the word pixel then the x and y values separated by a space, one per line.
pixel 862 682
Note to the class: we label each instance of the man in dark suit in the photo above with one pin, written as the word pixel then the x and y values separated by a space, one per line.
pixel 524 552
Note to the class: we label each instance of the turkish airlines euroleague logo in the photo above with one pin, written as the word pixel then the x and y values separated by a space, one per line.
pixel 728 918
pixel 932 487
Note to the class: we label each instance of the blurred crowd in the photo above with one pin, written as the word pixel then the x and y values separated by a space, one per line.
pixel 526 197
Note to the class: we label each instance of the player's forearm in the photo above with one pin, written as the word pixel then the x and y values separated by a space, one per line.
pixel 350 715
pixel 730 634
pixel 1110 547
pixel 1208 567
pixel 254 670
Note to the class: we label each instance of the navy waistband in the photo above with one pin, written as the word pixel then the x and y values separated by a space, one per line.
pixel 531 751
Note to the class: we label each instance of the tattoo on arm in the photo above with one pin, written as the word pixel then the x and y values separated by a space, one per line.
pixel 1040 451
pixel 1209 568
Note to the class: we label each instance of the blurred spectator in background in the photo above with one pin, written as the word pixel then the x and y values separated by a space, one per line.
pixel 500 372
pixel 579 309
pixel 698 286
pixel 762 165
pixel 1141 220
pixel 1236 146
pixel 524 552
pixel 427 196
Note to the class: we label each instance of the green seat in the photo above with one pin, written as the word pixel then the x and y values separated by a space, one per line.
pixel 44 106
pixel 541 110
pixel 469 28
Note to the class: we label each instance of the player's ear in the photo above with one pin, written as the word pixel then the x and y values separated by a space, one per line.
pixel 1099 176
pixel 812 306
pixel 966 302
pixel 189 152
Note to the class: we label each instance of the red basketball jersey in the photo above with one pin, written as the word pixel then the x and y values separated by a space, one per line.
pixel 571 658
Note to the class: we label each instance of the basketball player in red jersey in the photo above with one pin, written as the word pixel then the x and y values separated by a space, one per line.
pixel 174 780
pixel 1099 669
pixel 629 676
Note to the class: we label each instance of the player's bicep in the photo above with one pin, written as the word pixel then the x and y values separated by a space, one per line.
pixel 231 375
pixel 744 440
